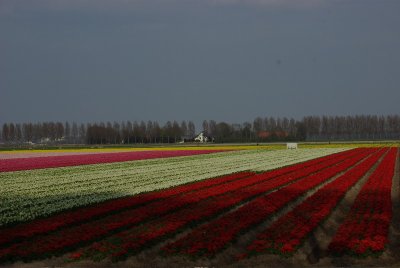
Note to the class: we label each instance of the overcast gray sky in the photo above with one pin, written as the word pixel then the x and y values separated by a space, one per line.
pixel 231 60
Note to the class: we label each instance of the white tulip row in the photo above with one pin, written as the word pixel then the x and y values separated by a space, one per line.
pixel 26 195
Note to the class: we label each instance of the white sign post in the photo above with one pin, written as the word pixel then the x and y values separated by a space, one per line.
pixel 291 145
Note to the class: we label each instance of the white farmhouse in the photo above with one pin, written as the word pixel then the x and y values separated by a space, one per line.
pixel 201 138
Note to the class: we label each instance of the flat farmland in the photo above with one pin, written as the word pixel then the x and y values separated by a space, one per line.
pixel 211 206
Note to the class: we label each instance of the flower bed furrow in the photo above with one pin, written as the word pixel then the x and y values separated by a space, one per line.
pixel 365 229
pixel 136 237
pixel 215 235
pixel 71 237
pixel 87 159
pixel 27 195
pixel 286 234
pixel 45 225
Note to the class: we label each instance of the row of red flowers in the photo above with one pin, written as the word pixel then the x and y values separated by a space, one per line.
pixel 136 237
pixel 87 159
pixel 286 234
pixel 40 226
pixel 366 227
pixel 76 216
pixel 74 236
pixel 212 237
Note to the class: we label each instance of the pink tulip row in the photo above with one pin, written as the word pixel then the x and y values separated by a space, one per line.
pixel 88 159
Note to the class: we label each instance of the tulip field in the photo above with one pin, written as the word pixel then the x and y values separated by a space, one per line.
pixel 199 206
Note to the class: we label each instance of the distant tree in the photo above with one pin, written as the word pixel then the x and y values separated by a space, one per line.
pixel 246 131
pixel 136 132
pixel 292 127
pixel 236 134
pixel 357 127
pixel 205 127
pixel 149 131
pixel 129 130
pixel 59 131
pixel 176 131
pixel 381 127
pixel 6 132
pixel 82 132
pixel 116 133
pixel 27 130
pixel 37 132
pixel 257 125
pixel 67 132
pixel 191 129
pixel 301 131
pixel 223 131
pixel 142 129
pixel 212 128
pixel 168 131
pixel 12 132
pixel 18 133
pixel 156 132
pixel 124 133
pixel 74 132
pixel 184 128
pixel 285 125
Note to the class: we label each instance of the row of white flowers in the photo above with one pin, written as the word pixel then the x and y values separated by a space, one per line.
pixel 26 195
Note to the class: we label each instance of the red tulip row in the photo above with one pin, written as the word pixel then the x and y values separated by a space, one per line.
pixel 286 234
pixel 136 237
pixel 88 159
pixel 365 229
pixel 74 236
pixel 212 237
pixel 76 216
pixel 39 226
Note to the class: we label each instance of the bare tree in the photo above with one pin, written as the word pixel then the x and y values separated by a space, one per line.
pixel 184 128
pixel 257 125
pixel 82 132
pixel 18 133
pixel 6 132
pixel 191 129
pixel 67 132
pixel 74 132
pixel 116 133
pixel 176 131
pixel 59 130
pixel 27 129
pixel 156 131
pixel 212 127
pixel 12 132
pixel 205 127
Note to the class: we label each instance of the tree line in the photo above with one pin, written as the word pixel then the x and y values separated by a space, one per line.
pixel 267 129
